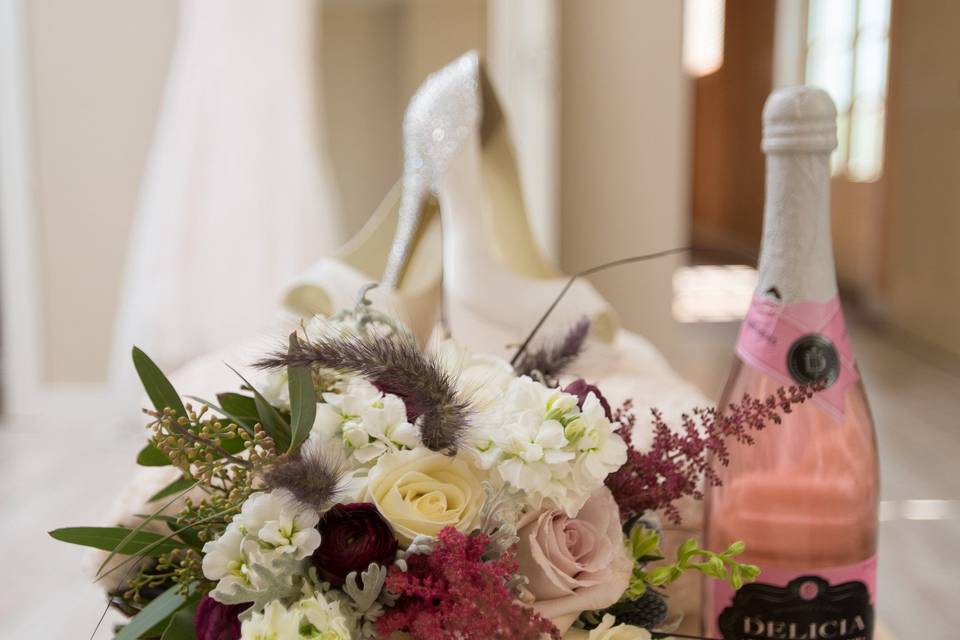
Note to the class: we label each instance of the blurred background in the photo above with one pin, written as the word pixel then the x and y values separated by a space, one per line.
pixel 144 145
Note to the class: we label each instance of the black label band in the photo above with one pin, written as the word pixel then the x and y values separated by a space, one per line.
pixel 808 608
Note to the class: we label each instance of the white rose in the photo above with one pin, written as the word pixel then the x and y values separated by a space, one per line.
pixel 420 492
pixel 607 631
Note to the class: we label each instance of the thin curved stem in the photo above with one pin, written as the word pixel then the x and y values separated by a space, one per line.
pixel 610 265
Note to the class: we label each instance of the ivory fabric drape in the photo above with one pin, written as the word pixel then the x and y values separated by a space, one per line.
pixel 238 194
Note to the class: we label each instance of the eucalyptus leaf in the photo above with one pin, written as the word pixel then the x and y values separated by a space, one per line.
pixel 239 407
pixel 273 423
pixel 117 539
pixel 158 388
pixel 177 486
pixel 187 534
pixel 150 456
pixel 181 626
pixel 155 613
pixel 139 528
pixel 303 400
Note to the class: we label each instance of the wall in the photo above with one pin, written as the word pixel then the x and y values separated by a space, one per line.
pixel 923 154
pixel 624 165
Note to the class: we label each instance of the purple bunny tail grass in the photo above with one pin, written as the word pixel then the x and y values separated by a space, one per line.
pixel 310 476
pixel 550 360
pixel 395 365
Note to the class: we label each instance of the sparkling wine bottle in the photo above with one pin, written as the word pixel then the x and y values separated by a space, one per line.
pixel 804 497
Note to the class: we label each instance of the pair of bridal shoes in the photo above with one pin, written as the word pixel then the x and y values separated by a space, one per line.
pixel 483 272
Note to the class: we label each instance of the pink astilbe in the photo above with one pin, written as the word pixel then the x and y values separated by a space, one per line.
pixel 453 594
pixel 671 468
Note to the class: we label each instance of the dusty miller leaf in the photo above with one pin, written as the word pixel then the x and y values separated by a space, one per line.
pixel 279 579
pixel 372 580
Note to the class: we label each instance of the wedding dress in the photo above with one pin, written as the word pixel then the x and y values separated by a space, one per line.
pixel 237 196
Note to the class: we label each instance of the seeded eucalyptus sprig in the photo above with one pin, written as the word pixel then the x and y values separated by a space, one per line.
pixel 207 448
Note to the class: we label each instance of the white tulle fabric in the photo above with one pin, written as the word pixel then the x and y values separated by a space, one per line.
pixel 238 194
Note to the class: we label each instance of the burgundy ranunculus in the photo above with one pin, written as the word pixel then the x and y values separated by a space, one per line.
pixel 216 621
pixel 581 388
pixel 352 536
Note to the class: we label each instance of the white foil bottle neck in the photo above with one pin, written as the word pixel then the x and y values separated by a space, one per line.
pixel 796 256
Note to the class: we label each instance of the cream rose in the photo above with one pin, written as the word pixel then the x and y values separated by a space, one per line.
pixel 420 492
pixel 574 564
pixel 607 631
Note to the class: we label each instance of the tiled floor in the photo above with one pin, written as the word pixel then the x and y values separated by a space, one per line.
pixel 67 473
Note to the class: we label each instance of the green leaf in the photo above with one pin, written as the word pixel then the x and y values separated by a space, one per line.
pixel 736 577
pixel 117 539
pixel 187 534
pixel 150 456
pixel 660 575
pixel 750 572
pixel 303 400
pixel 239 407
pixel 181 625
pixel 158 388
pixel 643 543
pixel 139 528
pixel 273 423
pixel 155 613
pixel 178 485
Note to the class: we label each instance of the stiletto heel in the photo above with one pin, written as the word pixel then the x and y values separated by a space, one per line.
pixel 496 281
pixel 333 283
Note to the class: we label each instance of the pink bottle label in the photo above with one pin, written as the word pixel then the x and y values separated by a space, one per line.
pixel 801 343
pixel 821 604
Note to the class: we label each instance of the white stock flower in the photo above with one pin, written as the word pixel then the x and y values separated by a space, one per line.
pixel 609 630
pixel 275 388
pixel 370 423
pixel 269 525
pixel 224 560
pixel 280 524
pixel 325 618
pixel 275 623
pixel 539 441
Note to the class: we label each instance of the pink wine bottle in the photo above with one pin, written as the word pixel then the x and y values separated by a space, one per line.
pixel 804 497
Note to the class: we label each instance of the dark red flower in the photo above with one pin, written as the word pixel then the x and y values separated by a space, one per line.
pixel 581 388
pixel 352 537
pixel 216 621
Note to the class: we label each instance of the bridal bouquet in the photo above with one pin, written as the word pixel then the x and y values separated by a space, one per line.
pixel 367 489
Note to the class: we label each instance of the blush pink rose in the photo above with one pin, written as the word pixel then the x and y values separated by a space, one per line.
pixel 574 564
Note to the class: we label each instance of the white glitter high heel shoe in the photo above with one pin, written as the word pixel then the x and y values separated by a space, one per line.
pixel 458 155
pixel 333 283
